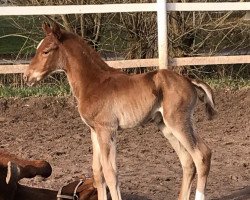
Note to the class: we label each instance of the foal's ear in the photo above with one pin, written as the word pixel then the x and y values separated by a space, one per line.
pixel 46 28
pixel 56 31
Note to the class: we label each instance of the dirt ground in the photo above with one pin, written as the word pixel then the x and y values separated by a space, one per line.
pixel 51 129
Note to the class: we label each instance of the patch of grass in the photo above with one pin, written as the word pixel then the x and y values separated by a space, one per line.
pixel 64 89
pixel 38 91
pixel 228 83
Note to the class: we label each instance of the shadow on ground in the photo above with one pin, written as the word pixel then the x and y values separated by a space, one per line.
pixel 126 196
pixel 133 197
pixel 242 194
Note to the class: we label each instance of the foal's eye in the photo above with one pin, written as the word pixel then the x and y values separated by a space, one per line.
pixel 45 52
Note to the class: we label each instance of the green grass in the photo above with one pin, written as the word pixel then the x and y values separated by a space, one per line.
pixel 38 91
pixel 228 83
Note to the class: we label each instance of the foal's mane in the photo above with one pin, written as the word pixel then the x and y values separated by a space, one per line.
pixel 91 53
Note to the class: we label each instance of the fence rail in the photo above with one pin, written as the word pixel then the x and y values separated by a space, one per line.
pixel 158 7
pixel 175 62
pixel 117 8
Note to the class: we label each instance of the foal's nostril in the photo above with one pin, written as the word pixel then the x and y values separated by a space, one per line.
pixel 25 78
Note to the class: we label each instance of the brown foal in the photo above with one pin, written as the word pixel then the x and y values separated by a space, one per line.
pixel 109 99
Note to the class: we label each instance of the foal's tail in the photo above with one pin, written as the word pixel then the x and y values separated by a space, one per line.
pixel 208 99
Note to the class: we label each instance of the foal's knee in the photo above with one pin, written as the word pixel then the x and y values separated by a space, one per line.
pixel 110 175
pixel 189 169
pixel 98 177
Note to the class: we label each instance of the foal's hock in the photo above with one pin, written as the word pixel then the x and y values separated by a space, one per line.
pixel 109 99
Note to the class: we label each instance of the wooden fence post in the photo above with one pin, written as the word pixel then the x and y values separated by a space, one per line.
pixel 162 33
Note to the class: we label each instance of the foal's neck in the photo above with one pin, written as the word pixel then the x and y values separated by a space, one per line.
pixel 85 68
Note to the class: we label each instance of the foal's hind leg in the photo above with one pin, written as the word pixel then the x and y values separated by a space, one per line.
pixel 185 159
pixel 181 126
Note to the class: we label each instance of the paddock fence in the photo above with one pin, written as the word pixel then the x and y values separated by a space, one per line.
pixel 161 7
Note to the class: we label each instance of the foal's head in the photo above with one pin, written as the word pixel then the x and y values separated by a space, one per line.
pixel 47 58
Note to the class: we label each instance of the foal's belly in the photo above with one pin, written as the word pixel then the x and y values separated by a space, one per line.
pixel 135 113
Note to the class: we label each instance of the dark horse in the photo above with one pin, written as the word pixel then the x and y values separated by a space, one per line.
pixel 109 100
pixel 13 169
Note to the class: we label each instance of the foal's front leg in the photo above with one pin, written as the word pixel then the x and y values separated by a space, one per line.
pixel 107 143
pixel 99 181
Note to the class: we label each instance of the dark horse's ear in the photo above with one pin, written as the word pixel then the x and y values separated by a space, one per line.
pixel 56 31
pixel 46 28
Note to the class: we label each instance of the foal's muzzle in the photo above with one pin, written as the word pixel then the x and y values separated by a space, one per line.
pixel 28 81
pixel 25 78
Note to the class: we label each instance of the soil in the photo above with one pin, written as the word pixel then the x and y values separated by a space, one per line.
pixel 50 128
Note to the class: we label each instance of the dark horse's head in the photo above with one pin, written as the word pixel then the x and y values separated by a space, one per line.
pixel 48 58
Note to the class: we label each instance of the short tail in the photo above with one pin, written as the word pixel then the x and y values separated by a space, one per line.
pixel 208 98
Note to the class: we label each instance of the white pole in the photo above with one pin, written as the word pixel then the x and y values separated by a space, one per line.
pixel 162 33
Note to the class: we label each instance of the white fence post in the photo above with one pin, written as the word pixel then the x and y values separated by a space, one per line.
pixel 162 33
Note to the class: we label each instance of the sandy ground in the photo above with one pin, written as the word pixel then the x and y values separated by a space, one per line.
pixel 50 128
